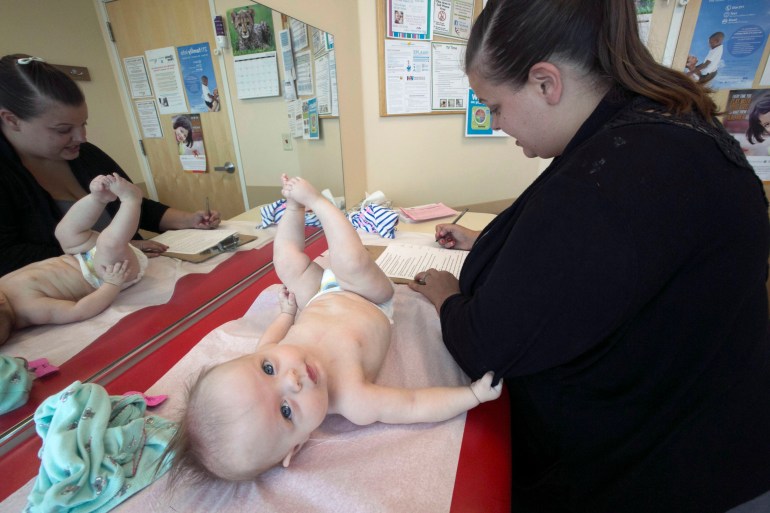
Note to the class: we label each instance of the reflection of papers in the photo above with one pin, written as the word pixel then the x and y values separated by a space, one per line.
pixel 453 18
pixel 148 118
pixel 323 84
pixel 404 261
pixel 409 19
pixel 192 242
pixel 304 73
pixel 256 75
pixel 166 80
pixel 296 125
pixel 407 80
pixel 450 83
pixel 333 80
pixel 298 34
pixel 136 74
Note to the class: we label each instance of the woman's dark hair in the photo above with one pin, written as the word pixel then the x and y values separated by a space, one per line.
pixel 25 82
pixel 601 37
pixel 756 130
pixel 185 123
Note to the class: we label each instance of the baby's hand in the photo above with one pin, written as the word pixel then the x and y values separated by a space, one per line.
pixel 483 389
pixel 287 301
pixel 116 273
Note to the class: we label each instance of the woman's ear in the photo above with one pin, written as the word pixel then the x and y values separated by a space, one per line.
pixel 547 78
pixel 294 450
pixel 9 119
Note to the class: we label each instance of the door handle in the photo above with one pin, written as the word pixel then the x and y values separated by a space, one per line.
pixel 228 167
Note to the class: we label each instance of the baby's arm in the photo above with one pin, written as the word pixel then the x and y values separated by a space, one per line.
pixel 280 326
pixel 408 406
pixel 47 310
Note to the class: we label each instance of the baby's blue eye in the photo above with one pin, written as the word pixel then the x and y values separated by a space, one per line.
pixel 286 411
pixel 268 368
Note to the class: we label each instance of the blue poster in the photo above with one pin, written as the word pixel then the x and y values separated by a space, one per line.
pixel 478 118
pixel 198 77
pixel 728 42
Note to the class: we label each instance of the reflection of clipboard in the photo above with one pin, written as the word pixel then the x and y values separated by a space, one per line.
pixel 230 242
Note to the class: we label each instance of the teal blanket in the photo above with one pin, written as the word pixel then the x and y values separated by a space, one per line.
pixel 15 383
pixel 98 450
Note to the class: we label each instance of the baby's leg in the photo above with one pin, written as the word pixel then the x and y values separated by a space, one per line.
pixel 74 231
pixel 112 243
pixel 301 275
pixel 351 263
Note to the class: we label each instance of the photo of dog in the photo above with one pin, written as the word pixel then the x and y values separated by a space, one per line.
pixel 251 35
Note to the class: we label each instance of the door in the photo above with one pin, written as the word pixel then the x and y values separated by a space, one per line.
pixel 140 25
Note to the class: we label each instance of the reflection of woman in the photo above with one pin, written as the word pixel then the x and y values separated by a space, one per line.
pixel 183 132
pixel 622 296
pixel 46 165
pixel 759 120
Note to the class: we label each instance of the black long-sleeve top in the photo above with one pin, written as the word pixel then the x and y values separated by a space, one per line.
pixel 29 215
pixel 622 298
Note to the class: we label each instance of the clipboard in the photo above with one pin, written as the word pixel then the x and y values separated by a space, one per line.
pixel 374 253
pixel 229 244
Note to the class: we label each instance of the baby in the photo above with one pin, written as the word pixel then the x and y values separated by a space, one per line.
pixel 321 355
pixel 96 266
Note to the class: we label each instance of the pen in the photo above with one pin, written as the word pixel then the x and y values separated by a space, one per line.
pixel 459 216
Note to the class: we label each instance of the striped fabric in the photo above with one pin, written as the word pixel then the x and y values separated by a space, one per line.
pixel 376 219
pixel 273 212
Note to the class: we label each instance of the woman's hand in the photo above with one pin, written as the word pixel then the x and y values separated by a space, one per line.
pixel 205 220
pixel 435 285
pixel 454 236
pixel 149 247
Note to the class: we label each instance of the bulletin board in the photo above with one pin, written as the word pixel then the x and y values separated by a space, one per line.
pixel 382 6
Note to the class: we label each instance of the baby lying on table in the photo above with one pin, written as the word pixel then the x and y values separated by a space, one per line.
pixel 96 266
pixel 252 413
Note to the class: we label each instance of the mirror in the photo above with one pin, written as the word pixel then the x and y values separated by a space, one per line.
pixel 260 124
pixel 267 147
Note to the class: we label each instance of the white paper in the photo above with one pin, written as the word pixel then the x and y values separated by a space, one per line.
pixel 450 83
pixel 191 241
pixel 136 74
pixel 407 77
pixel 296 124
pixel 287 56
pixel 298 34
pixel 304 73
pixel 166 80
pixel 404 261
pixel 323 84
pixel 148 119
pixel 256 75
pixel 453 18
pixel 333 80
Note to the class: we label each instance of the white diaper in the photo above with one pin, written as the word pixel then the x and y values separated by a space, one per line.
pixel 86 261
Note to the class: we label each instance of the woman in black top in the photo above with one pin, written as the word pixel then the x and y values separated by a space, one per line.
pixel 622 296
pixel 46 165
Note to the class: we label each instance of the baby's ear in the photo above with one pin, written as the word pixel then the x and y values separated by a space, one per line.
pixel 294 450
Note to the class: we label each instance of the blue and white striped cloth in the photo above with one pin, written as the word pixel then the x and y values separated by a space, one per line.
pixel 376 219
pixel 273 212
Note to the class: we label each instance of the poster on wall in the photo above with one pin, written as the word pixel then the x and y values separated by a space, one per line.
pixel 728 42
pixel 453 18
pixel 147 112
pixel 449 83
pixel 298 29
pixel 255 59
pixel 407 77
pixel 409 19
pixel 200 83
pixel 312 129
pixel 746 117
pixel 478 119
pixel 136 74
pixel 189 138
pixel 166 80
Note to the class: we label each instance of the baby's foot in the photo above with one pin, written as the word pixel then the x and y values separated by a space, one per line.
pixel 124 189
pixel 299 191
pixel 100 189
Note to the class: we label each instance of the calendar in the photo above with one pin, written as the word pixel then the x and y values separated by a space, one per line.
pixel 256 75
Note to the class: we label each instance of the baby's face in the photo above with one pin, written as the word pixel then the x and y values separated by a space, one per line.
pixel 278 396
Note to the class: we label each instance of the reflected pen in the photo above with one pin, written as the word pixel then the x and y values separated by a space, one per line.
pixel 208 210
